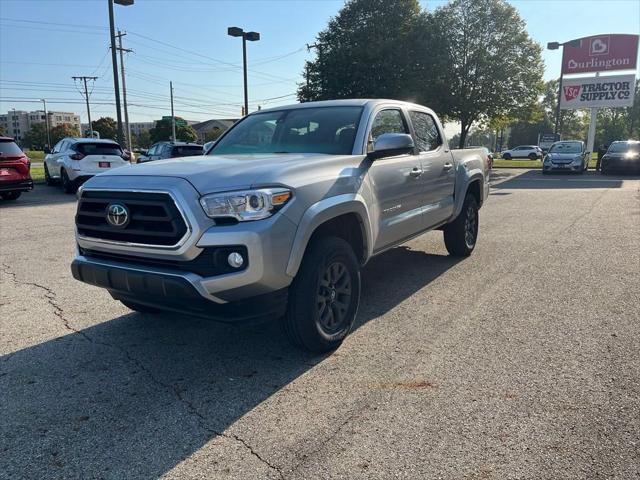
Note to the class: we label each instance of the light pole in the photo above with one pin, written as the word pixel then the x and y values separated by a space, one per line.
pixel 556 46
pixel 114 62
pixel 46 121
pixel 252 37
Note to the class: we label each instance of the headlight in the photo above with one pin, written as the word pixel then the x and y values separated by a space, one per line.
pixel 245 205
pixel 577 160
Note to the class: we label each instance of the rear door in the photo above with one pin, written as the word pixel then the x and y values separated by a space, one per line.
pixel 99 156
pixel 438 172
pixel 396 183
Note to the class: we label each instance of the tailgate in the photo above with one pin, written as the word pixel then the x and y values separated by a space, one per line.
pixel 101 163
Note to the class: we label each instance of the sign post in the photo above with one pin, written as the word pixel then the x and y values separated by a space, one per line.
pixel 591 136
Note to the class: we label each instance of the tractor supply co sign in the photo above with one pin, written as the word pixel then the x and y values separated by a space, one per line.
pixel 587 92
pixel 600 53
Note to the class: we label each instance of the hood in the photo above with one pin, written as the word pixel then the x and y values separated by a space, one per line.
pixel 230 172
pixel 563 157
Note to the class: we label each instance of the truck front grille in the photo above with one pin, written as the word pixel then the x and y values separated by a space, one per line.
pixel 151 218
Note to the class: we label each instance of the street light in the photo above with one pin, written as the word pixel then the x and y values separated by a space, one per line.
pixel 46 122
pixel 556 46
pixel 114 62
pixel 252 37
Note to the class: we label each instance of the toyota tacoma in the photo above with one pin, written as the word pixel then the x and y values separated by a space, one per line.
pixel 280 216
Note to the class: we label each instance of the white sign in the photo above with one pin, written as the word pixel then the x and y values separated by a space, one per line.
pixel 587 92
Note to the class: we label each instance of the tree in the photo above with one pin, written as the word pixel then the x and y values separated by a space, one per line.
pixel 494 67
pixel 106 127
pixel 365 51
pixel 2 132
pixel 61 131
pixel 142 140
pixel 162 131
pixel 36 137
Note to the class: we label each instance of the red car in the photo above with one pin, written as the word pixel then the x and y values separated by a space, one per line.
pixel 14 170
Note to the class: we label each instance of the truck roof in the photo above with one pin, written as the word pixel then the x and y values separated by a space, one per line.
pixel 348 102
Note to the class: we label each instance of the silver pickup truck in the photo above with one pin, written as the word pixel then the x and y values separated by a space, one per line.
pixel 278 219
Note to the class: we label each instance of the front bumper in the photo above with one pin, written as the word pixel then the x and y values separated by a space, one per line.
pixel 16 186
pixel 177 292
pixel 562 167
pixel 622 166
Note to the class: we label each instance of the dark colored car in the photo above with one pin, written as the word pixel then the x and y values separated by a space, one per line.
pixel 623 156
pixel 15 167
pixel 162 150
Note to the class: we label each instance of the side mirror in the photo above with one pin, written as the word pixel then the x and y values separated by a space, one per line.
pixel 47 150
pixel 391 144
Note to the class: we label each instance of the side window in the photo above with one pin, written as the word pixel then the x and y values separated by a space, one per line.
pixel 153 150
pixel 387 121
pixel 427 135
pixel 56 147
pixel 166 150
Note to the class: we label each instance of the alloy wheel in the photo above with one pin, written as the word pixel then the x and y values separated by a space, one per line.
pixel 334 297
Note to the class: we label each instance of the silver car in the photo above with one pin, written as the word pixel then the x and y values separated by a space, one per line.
pixel 566 156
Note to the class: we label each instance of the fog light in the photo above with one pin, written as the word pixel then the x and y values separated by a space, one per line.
pixel 235 260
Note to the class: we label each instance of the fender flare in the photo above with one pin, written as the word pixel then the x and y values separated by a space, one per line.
pixel 465 179
pixel 321 212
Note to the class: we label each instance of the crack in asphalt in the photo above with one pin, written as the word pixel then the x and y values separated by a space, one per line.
pixel 58 311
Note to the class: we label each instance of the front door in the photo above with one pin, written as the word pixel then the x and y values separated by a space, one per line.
pixel 438 171
pixel 396 184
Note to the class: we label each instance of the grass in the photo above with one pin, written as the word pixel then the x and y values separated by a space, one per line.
pixel 37 173
pixel 35 155
pixel 501 163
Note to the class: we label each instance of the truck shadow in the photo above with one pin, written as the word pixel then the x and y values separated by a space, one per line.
pixel 134 396
pixel 41 195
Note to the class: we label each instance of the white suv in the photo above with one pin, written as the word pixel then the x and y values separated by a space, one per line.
pixel 75 160
pixel 532 152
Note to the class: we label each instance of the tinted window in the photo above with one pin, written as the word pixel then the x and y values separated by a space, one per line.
pixel 330 130
pixel 624 147
pixel 98 149
pixel 427 135
pixel 187 150
pixel 10 149
pixel 388 121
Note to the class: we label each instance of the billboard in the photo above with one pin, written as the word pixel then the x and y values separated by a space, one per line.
pixel 587 92
pixel 600 53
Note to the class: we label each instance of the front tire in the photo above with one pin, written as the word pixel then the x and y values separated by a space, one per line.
pixel 507 156
pixel 47 177
pixel 11 195
pixel 460 235
pixel 533 156
pixel 324 297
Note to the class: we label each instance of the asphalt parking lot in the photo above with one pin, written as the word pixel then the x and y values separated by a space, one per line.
pixel 521 361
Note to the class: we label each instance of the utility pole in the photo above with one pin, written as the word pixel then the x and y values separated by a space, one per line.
pixel 46 122
pixel 114 62
pixel 173 117
pixel 86 97
pixel 124 88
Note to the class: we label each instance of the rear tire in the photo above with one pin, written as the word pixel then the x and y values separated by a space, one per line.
pixel 324 296
pixel 139 308
pixel 11 195
pixel 460 235
pixel 533 156
pixel 67 185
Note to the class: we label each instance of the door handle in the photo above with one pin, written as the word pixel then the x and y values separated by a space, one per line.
pixel 416 172
pixel 448 166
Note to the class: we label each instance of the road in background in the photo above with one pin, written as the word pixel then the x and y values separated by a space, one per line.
pixel 521 361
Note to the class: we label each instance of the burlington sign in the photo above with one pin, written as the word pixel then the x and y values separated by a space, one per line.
pixel 600 53
pixel 587 92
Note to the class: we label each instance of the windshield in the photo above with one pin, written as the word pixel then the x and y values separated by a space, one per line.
pixel 330 130
pixel 98 149
pixel 10 149
pixel 187 150
pixel 624 147
pixel 569 147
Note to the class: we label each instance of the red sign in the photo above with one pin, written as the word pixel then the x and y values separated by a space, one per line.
pixel 600 53
pixel 571 92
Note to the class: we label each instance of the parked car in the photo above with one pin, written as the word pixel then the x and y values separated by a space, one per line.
pixel 162 150
pixel 532 152
pixel 73 161
pixel 278 220
pixel 621 156
pixel 566 156
pixel 15 167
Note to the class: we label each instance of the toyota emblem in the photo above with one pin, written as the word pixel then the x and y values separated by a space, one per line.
pixel 117 215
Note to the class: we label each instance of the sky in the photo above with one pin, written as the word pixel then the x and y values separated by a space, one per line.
pixel 43 43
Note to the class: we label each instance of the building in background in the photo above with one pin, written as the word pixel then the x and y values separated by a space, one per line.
pixel 218 125
pixel 16 123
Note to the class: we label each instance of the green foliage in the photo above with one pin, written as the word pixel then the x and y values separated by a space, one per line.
pixel 495 68
pixel 142 140
pixel 162 132
pixel 36 137
pixel 618 123
pixel 61 131
pixel 2 132
pixel 106 127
